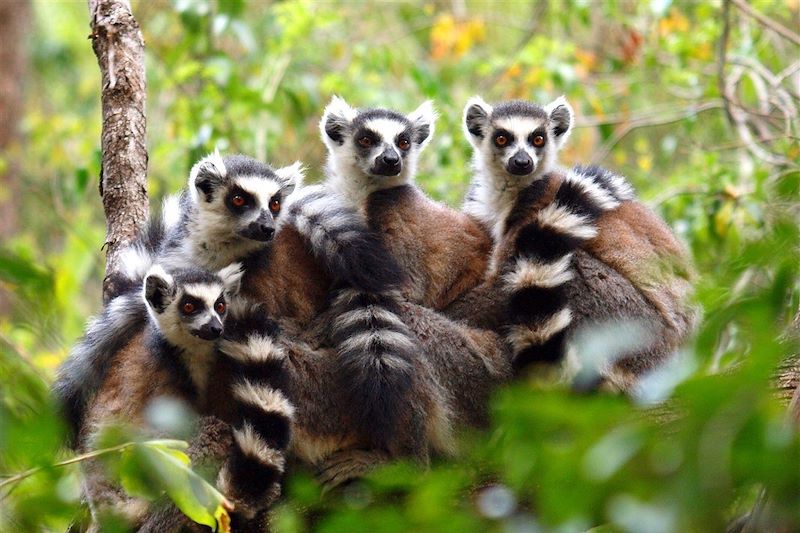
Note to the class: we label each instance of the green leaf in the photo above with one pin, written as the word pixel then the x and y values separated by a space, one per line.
pixel 193 495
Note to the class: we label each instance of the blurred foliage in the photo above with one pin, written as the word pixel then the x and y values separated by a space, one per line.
pixel 644 77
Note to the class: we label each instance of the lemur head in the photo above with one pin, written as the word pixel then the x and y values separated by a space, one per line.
pixel 516 142
pixel 190 304
pixel 241 198
pixel 371 149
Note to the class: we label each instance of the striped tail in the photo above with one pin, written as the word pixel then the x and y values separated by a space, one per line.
pixel 252 474
pixel 541 267
pixel 82 373
pixel 376 350
pixel 138 256
pixel 341 240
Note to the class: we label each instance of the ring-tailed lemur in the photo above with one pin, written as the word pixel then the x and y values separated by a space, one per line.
pixel 174 357
pixel 372 158
pixel 632 269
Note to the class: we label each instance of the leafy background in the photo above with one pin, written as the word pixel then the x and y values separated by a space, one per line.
pixel 648 82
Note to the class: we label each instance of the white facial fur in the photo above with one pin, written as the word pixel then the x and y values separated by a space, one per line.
pixel 495 188
pixel 164 299
pixel 351 168
pixel 215 236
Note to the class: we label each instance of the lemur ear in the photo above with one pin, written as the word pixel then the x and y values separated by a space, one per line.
pixel 561 117
pixel 207 175
pixel 231 277
pixel 291 177
pixel 423 119
pixel 336 121
pixel 159 288
pixel 476 119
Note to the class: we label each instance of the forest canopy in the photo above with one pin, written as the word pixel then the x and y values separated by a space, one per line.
pixel 696 103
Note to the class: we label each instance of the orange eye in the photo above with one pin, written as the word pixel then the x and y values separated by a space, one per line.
pixel 538 141
pixel 274 205
pixel 238 200
pixel 220 307
pixel 366 142
pixel 501 140
pixel 188 308
pixel 403 144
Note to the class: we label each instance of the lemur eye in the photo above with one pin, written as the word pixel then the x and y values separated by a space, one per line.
pixel 403 144
pixel 188 308
pixel 538 141
pixel 274 205
pixel 220 308
pixel 238 200
pixel 366 142
pixel 501 140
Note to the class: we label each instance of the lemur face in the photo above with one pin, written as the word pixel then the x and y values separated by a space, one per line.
pixel 517 140
pixel 190 302
pixel 241 196
pixel 377 143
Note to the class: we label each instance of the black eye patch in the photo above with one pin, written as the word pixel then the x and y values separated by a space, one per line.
pixel 366 139
pixel 538 132
pixel 404 140
pixel 502 138
pixel 238 200
pixel 190 305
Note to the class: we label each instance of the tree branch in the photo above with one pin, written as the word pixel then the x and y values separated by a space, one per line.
pixel 119 47
pixel 648 121
pixel 767 22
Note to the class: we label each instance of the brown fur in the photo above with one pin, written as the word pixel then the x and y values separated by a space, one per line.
pixel 443 251
pixel 289 281
pixel 132 382
pixel 460 369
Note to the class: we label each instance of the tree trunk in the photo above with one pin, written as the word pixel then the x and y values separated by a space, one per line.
pixel 119 47
pixel 15 21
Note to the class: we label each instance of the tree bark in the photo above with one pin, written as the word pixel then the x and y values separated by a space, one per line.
pixel 15 21
pixel 118 44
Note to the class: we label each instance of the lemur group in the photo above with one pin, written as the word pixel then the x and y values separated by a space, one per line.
pixel 345 324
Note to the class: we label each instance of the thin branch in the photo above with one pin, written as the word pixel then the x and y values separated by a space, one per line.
pixel 723 59
pixel 73 460
pixel 742 144
pixel 781 30
pixel 628 127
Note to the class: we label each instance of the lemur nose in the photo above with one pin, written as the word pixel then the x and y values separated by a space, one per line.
pixel 267 231
pixel 210 332
pixel 521 161
pixel 391 158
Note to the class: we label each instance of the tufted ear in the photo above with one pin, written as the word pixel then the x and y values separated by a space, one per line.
pixel 423 119
pixel 291 177
pixel 336 121
pixel 206 176
pixel 159 289
pixel 476 119
pixel 231 277
pixel 561 117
